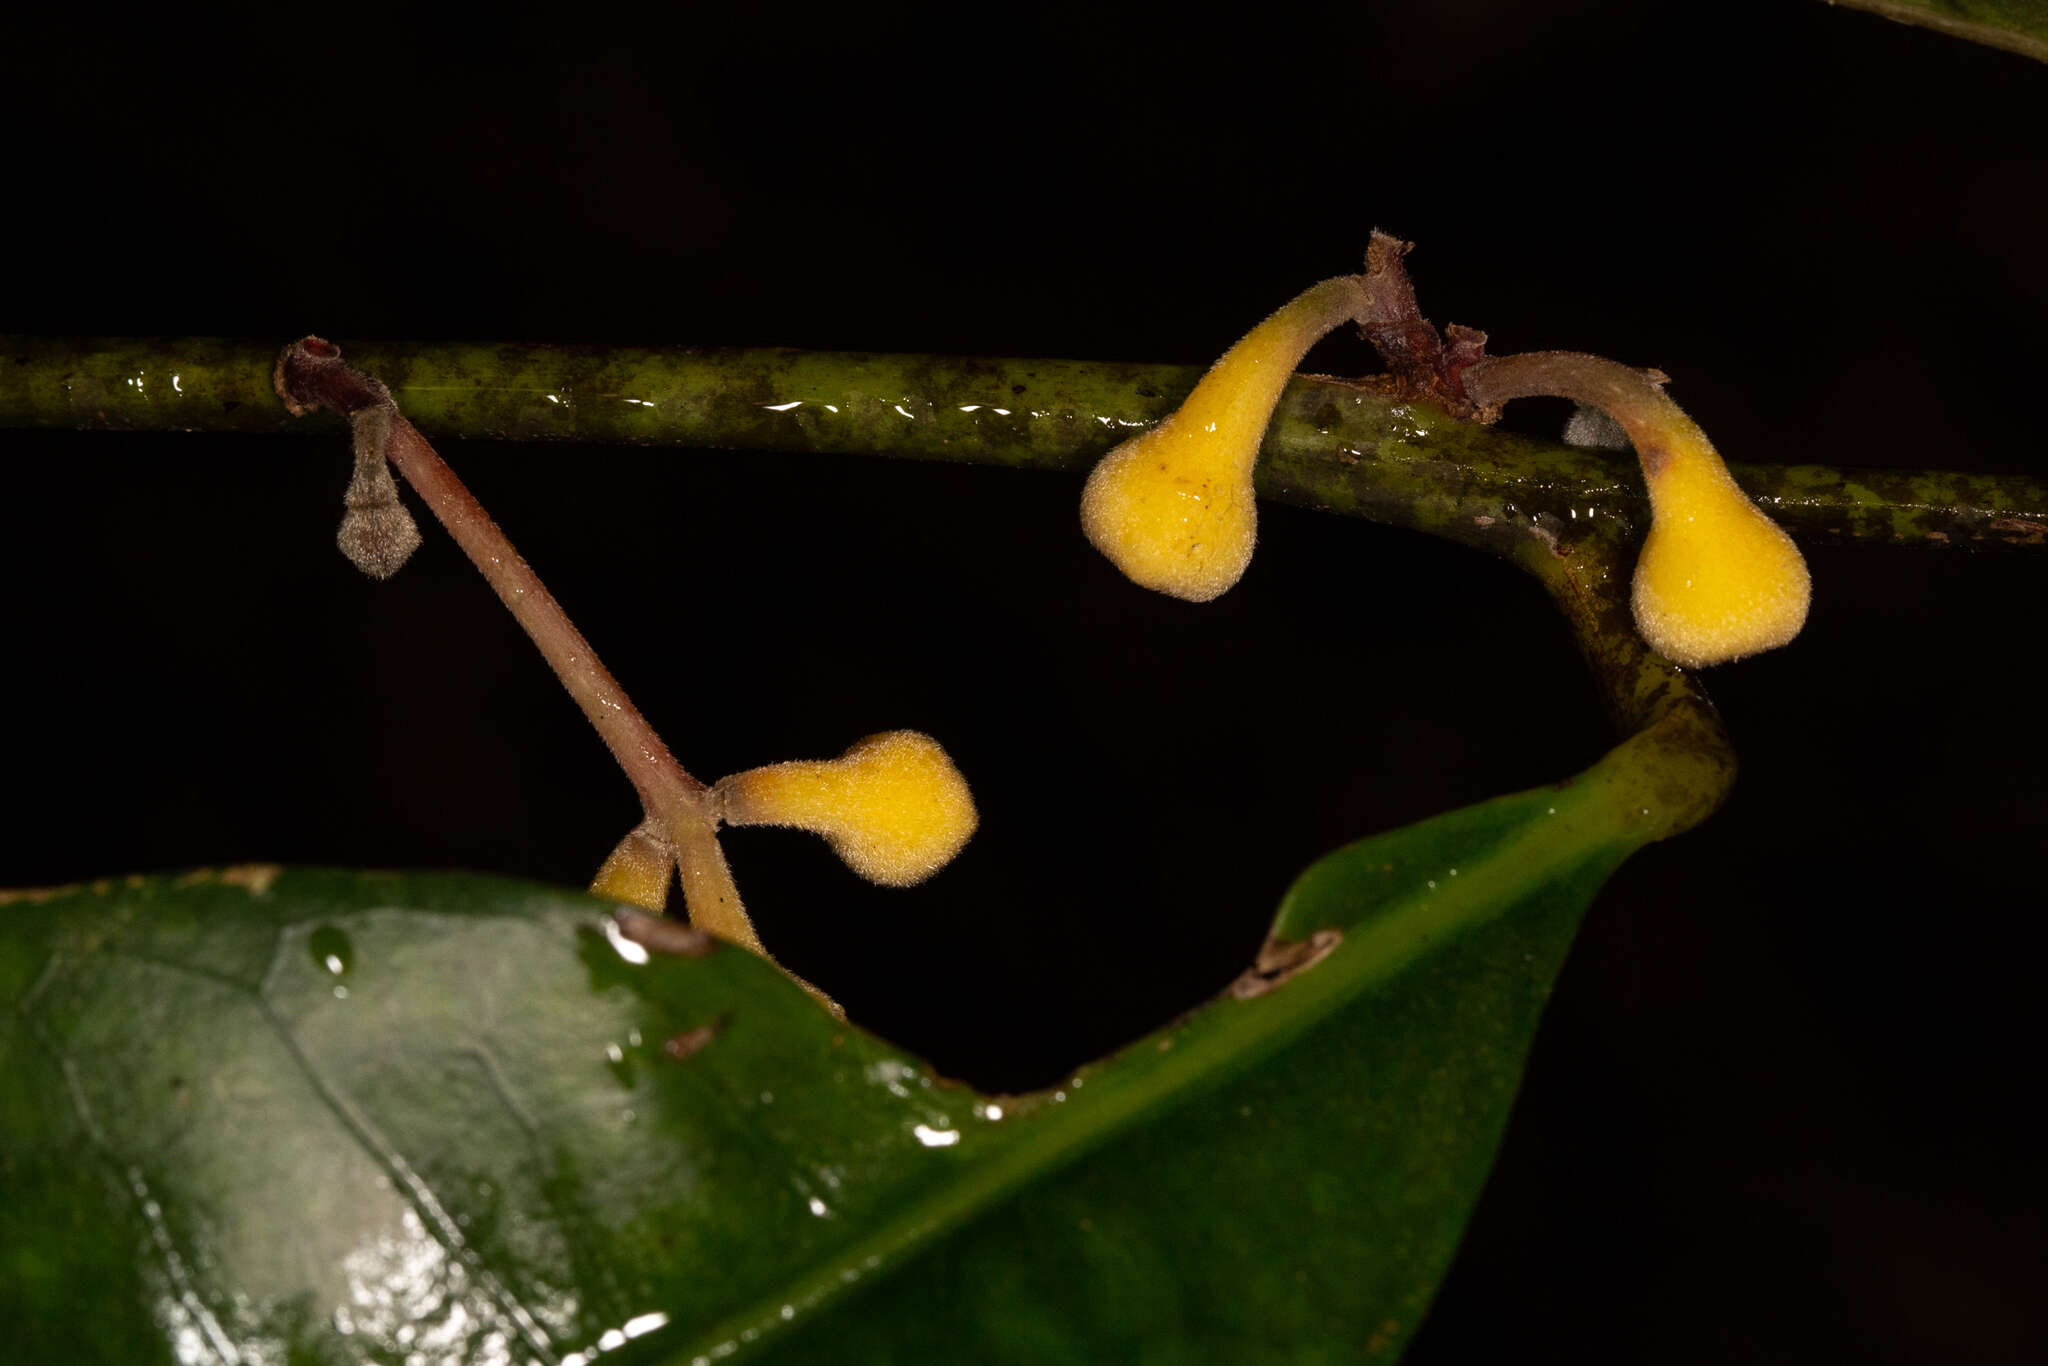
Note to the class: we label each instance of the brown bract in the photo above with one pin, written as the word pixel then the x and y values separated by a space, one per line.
pixel 1280 961
pixel 310 374
pixel 1421 363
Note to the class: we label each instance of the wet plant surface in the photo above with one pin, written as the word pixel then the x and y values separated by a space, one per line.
pixel 1779 1072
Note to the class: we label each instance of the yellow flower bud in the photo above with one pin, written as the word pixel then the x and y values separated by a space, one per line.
pixel 893 807
pixel 1716 579
pixel 638 871
pixel 1173 507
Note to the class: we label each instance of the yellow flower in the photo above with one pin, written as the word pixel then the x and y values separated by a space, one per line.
pixel 893 807
pixel 1173 507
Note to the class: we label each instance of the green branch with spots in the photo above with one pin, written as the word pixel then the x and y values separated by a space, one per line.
pixel 1334 445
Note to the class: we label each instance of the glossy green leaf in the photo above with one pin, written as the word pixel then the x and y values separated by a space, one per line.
pixel 323 1116
pixel 2016 25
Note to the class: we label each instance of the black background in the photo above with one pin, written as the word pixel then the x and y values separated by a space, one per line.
pixel 1784 1106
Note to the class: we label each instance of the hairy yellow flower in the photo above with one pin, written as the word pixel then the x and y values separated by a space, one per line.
pixel 1173 507
pixel 1717 579
pixel 893 807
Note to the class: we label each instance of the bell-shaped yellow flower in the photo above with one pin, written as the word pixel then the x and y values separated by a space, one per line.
pixel 1717 579
pixel 1173 507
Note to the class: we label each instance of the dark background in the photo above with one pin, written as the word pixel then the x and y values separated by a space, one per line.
pixel 1784 1106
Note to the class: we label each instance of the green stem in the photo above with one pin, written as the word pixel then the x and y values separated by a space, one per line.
pixel 1677 762
pixel 1333 445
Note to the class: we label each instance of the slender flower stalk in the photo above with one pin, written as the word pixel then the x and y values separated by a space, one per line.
pixel 897 814
pixel 311 374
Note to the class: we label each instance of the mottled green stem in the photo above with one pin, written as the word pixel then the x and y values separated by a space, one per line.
pixel 1677 764
pixel 1333 445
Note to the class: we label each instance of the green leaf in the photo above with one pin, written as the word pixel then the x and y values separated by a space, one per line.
pixel 331 1116
pixel 2015 25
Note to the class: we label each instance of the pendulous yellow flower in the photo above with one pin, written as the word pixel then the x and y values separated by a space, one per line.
pixel 1717 579
pixel 1173 507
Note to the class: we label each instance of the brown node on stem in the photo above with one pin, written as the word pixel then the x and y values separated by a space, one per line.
pixel 1421 363
pixel 310 374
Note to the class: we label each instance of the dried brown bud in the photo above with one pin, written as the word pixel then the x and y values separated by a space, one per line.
pixel 377 533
